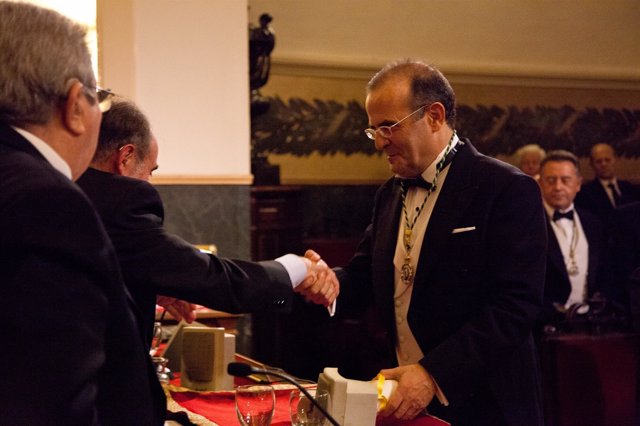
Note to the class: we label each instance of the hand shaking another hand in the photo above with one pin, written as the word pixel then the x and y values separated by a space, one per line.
pixel 321 285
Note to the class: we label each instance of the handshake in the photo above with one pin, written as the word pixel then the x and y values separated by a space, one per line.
pixel 321 285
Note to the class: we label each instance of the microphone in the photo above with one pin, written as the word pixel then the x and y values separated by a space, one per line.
pixel 240 369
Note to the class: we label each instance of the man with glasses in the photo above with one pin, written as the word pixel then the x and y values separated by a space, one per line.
pixel 155 262
pixel 72 352
pixel 452 263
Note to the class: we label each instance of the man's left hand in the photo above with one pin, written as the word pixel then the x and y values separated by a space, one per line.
pixel 179 309
pixel 415 391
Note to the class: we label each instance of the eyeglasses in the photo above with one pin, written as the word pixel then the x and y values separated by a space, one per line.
pixel 105 97
pixel 386 131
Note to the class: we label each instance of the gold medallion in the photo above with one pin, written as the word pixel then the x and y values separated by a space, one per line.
pixel 407 271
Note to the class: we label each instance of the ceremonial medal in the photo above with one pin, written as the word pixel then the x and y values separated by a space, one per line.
pixel 572 269
pixel 407 271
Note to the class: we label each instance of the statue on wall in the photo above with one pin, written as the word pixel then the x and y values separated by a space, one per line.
pixel 261 43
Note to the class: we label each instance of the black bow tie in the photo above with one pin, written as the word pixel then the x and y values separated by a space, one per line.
pixel 417 181
pixel 557 215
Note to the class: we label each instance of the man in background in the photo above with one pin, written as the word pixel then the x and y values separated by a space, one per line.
pixel 576 265
pixel 605 192
pixel 72 352
pixel 155 262
pixel 452 263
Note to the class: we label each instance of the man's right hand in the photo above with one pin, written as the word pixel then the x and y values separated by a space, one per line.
pixel 321 285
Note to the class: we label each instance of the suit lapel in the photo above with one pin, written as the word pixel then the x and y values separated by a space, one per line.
pixel 389 207
pixel 555 254
pixel 456 194
pixel 589 229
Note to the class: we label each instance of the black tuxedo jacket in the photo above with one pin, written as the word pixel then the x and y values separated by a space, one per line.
pixel 625 244
pixel 476 293
pixel 154 261
pixel 593 197
pixel 72 351
pixel 557 284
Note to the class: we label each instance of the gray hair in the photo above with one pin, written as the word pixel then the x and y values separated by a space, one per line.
pixel 527 149
pixel 561 155
pixel 123 124
pixel 41 52
pixel 428 85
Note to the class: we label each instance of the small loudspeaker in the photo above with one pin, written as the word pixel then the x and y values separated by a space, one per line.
pixel 206 352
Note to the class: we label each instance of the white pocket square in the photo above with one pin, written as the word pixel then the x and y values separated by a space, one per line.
pixel 467 229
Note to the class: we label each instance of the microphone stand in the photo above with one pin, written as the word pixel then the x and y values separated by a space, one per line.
pixel 231 370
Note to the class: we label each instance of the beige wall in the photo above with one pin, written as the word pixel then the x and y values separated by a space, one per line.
pixel 565 38
pixel 524 53
pixel 185 63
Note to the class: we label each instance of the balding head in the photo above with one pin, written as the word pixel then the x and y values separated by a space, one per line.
pixel 603 161
pixel 126 145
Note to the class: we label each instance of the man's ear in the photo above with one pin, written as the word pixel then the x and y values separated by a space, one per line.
pixel 436 116
pixel 75 109
pixel 125 158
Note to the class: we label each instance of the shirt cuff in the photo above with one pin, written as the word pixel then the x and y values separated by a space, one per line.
pixel 295 267
pixel 439 394
pixel 332 308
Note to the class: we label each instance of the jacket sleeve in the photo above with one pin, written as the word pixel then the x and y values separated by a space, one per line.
pixel 166 264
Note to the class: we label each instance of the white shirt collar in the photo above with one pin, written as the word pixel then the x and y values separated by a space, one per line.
pixel 47 152
pixel 430 172
pixel 606 182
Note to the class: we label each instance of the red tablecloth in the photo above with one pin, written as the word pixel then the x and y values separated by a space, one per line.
pixel 219 407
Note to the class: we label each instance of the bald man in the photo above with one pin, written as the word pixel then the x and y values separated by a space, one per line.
pixel 605 192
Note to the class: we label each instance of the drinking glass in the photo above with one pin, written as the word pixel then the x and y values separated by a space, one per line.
pixel 255 404
pixel 304 413
pixel 160 364
pixel 156 339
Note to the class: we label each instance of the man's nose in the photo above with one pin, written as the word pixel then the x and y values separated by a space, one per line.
pixel 381 142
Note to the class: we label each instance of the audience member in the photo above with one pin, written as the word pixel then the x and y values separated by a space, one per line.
pixel 605 192
pixel 576 254
pixel 72 354
pixel 459 285
pixel 528 159
pixel 155 262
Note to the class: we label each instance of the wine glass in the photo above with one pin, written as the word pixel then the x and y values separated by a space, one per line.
pixel 163 372
pixel 156 338
pixel 303 412
pixel 255 404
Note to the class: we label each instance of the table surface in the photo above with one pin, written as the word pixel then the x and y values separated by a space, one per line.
pixel 218 408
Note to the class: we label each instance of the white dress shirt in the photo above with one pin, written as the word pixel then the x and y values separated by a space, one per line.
pixel 563 229
pixel 407 349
